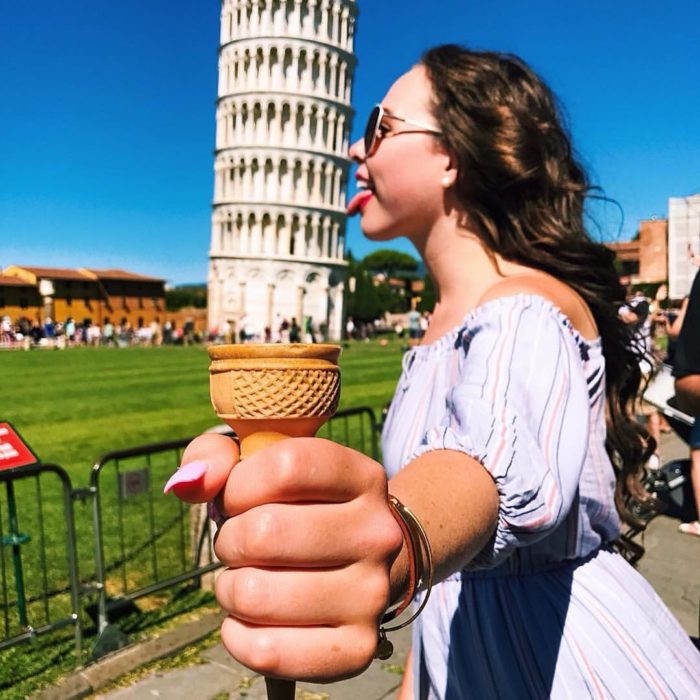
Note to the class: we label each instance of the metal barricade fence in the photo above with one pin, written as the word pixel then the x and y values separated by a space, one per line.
pixel 145 543
pixel 38 563
pixel 142 539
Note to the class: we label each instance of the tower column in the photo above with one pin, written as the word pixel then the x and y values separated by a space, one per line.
pixel 270 304
pixel 300 305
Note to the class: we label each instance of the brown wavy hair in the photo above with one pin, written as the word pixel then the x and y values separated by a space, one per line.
pixel 524 192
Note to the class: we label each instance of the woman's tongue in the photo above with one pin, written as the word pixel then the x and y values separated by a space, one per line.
pixel 359 202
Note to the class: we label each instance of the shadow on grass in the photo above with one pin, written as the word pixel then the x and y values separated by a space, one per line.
pixel 28 667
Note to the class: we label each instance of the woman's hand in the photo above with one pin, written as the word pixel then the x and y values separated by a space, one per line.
pixel 309 545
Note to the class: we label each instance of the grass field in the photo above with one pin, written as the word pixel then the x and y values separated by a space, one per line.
pixel 73 406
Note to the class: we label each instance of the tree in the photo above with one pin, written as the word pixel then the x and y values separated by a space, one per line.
pixel 390 262
pixel 427 298
pixel 186 295
pixel 363 304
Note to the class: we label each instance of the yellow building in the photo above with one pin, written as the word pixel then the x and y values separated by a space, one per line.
pixel 18 298
pixel 81 294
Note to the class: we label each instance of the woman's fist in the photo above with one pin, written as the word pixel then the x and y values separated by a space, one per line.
pixel 309 543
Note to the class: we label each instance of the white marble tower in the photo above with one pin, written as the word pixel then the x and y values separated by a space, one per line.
pixel 283 121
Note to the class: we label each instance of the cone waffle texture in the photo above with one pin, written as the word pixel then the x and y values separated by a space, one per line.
pixel 279 393
pixel 274 381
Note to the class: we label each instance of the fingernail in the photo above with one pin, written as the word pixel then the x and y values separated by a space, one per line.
pixel 187 474
pixel 215 514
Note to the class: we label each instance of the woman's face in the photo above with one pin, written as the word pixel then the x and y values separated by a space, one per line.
pixel 406 171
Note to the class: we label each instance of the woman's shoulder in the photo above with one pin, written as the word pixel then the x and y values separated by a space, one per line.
pixel 562 297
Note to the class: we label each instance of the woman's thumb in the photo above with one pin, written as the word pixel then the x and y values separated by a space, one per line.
pixel 206 465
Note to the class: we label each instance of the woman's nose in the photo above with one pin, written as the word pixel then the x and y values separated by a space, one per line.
pixel 357 151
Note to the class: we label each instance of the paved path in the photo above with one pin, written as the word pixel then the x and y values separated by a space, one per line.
pixel 670 564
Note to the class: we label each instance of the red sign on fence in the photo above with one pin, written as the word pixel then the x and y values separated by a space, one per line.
pixel 14 452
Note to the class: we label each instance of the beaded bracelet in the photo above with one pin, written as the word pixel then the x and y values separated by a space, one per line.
pixel 420 573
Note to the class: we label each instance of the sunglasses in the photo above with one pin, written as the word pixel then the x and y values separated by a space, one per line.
pixel 374 133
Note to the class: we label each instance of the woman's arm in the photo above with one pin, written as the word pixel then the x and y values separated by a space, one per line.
pixel 456 501
pixel 310 541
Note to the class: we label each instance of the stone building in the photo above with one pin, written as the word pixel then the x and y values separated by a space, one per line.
pixel 283 121
pixel 645 259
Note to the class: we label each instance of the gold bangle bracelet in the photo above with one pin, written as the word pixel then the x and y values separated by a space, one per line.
pixel 421 560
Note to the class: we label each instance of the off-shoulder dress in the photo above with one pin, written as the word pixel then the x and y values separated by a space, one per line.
pixel 547 609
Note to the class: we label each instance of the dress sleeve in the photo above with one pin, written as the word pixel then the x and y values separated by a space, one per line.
pixel 520 407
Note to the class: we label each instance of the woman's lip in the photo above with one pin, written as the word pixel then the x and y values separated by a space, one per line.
pixel 359 202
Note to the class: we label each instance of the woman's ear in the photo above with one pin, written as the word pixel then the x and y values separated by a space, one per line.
pixel 449 174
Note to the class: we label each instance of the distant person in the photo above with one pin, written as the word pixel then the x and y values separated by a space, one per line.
pixel 94 334
pixel 243 329
pixel 294 332
pixel 309 335
pixel 424 323
pixel 36 333
pixel 49 329
pixel 284 331
pixel 414 333
pixel 226 332
pixel 155 332
pixel 7 334
pixel 108 333
pixel 686 369
pixel 636 313
pixel 188 332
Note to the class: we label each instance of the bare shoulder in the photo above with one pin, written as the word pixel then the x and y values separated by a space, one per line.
pixel 552 289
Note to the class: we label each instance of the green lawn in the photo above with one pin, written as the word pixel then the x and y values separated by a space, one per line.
pixel 72 406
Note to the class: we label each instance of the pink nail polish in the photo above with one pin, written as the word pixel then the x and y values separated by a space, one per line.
pixel 187 474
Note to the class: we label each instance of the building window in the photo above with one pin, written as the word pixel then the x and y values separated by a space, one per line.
pixel 69 301
pixel 140 302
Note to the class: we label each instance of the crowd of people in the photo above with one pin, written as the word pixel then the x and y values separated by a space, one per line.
pixel 282 330
pixel 27 334
pixel 657 324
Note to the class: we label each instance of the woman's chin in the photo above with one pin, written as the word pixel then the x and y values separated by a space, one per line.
pixel 376 232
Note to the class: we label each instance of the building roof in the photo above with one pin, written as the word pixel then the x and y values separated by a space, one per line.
pixel 51 273
pixel 32 275
pixel 116 274
pixel 9 281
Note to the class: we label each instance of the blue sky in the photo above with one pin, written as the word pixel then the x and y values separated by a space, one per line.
pixel 107 113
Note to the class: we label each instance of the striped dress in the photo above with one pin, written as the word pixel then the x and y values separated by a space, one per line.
pixel 546 609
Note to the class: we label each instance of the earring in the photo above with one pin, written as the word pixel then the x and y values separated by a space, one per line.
pixel 446 181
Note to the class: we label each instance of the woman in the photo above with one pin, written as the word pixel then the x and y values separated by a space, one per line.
pixel 496 437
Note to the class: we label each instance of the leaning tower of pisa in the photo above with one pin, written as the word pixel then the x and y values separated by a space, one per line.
pixel 283 121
